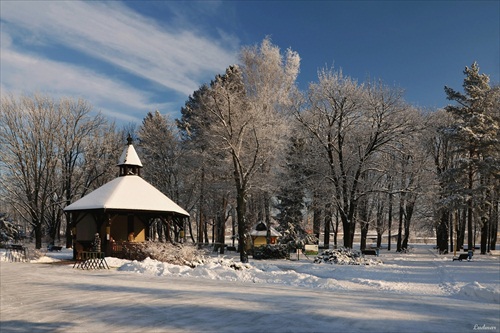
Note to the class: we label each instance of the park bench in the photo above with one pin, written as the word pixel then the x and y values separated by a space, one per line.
pixel 463 256
pixel 369 252
pixel 52 248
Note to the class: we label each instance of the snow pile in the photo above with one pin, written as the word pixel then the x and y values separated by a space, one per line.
pixel 343 256
pixel 474 290
pixel 213 268
pixel 224 269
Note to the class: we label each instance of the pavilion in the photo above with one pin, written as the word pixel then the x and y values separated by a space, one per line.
pixel 122 210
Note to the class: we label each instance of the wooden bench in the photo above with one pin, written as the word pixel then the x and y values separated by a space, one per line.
pixel 51 248
pixel 462 256
pixel 369 252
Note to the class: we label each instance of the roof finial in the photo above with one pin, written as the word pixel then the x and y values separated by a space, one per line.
pixel 129 140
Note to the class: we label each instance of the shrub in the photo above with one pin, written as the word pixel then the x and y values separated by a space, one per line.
pixel 271 252
pixel 176 254
pixel 343 256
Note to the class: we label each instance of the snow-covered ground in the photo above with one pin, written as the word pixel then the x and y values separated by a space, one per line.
pixel 416 292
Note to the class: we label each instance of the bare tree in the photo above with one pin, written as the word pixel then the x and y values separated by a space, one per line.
pixel 77 128
pixel 351 122
pixel 437 145
pixel 48 157
pixel 28 129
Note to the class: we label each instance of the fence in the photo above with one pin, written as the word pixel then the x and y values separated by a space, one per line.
pixel 17 253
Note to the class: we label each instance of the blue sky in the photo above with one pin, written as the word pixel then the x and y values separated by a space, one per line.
pixel 128 58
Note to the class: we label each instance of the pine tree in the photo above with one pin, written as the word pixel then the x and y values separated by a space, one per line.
pixel 475 136
pixel 291 192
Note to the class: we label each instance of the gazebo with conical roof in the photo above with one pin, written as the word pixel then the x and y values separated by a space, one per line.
pixel 121 210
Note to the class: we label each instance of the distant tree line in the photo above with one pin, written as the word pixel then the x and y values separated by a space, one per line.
pixel 342 158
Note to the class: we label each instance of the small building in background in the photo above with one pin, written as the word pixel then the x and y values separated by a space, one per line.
pixel 259 235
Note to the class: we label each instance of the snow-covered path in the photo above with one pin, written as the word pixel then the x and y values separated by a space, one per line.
pixel 379 298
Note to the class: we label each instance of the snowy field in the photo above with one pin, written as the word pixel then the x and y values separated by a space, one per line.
pixel 416 292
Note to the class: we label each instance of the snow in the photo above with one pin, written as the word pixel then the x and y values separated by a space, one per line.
pixel 116 195
pixel 416 292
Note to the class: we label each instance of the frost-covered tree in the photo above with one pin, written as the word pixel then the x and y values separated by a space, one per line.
pixel 475 138
pixel 238 121
pixel 270 84
pixel 438 147
pixel 49 157
pixel 78 128
pixel 220 119
pixel 28 129
pixel 162 154
pixel 235 133
pixel 410 171
pixel 350 122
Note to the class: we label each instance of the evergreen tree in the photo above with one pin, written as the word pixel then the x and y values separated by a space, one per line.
pixel 475 137
pixel 290 197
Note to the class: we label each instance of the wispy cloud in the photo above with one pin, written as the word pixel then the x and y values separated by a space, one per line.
pixel 178 59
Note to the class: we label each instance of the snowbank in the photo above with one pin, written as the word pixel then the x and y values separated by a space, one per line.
pixel 476 291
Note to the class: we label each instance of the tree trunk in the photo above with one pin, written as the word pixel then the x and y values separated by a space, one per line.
pixel 335 233
pixel 364 234
pixel 233 225
pixel 484 235
pixel 205 230
pixel 317 212
pixel 389 221
pixel 267 217
pixel 380 222
pixel 494 224
pixel 452 231
pixel 353 232
pixel 201 212
pixel 400 226
pixel 410 204
pixel 328 220
pixel 38 234
pixel 442 231
pixel 346 227
pixel 470 232
pixel 242 224
pixel 460 218
pixel 363 217
pixel 221 224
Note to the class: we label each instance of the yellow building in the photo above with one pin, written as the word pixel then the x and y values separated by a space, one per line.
pixel 259 235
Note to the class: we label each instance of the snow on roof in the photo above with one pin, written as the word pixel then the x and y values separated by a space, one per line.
pixel 257 231
pixel 129 156
pixel 127 193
